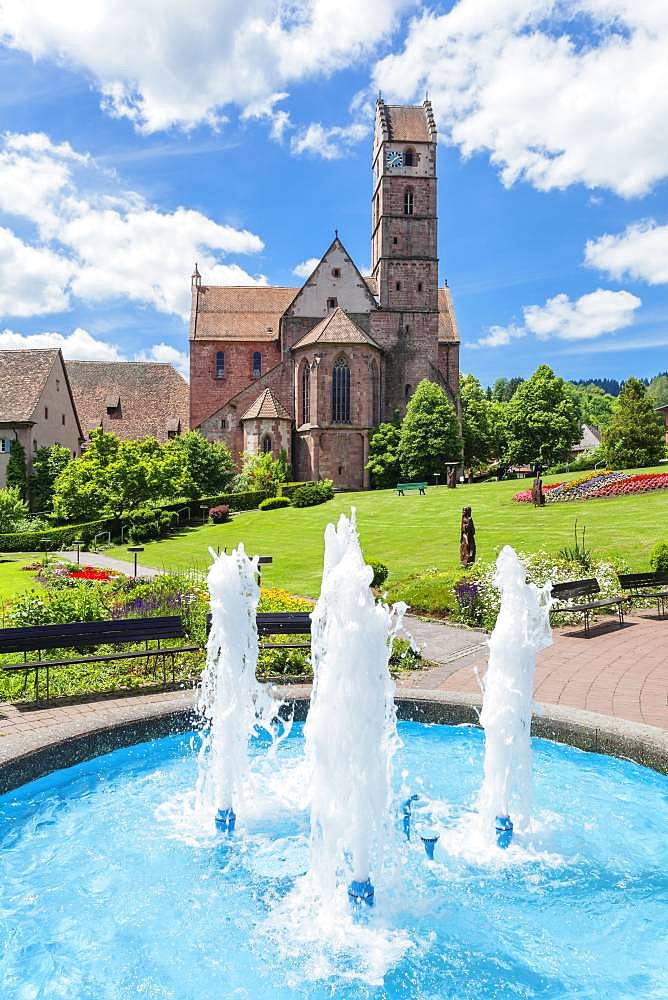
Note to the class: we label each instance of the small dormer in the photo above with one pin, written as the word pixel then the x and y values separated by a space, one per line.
pixel 112 405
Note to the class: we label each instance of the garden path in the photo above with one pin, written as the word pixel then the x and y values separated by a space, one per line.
pixel 100 561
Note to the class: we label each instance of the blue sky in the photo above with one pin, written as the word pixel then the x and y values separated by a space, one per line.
pixel 133 146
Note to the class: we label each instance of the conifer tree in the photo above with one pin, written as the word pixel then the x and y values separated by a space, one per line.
pixel 634 437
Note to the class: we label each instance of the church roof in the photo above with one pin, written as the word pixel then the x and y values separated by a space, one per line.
pixel 152 398
pixel 400 123
pixel 246 312
pixel 23 375
pixel 337 328
pixel 448 332
pixel 268 406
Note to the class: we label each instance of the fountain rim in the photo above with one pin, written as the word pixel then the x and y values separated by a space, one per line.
pixel 588 731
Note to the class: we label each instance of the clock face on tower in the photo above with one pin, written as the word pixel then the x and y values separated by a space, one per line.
pixel 395 159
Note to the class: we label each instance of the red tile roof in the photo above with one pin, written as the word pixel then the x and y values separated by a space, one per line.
pixel 337 328
pixel 250 312
pixel 23 375
pixel 266 405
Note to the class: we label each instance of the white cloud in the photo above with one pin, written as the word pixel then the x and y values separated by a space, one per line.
pixel 100 242
pixel 80 345
pixel 33 280
pixel 619 346
pixel 306 268
pixel 175 64
pixel 329 143
pixel 640 252
pixel 586 318
pixel 557 92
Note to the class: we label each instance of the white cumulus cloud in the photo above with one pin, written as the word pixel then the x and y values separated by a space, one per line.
pixel 586 318
pixel 172 63
pixel 98 241
pixel 328 142
pixel 640 252
pixel 306 268
pixel 556 92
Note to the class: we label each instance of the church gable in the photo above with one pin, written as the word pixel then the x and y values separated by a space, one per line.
pixel 335 283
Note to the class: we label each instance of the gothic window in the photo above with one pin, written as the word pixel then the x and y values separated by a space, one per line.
pixel 341 393
pixel 220 364
pixel 266 444
pixel 408 201
pixel 409 158
pixel 306 395
pixel 257 364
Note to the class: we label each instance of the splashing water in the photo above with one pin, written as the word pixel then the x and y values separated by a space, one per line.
pixel 521 630
pixel 232 703
pixel 351 732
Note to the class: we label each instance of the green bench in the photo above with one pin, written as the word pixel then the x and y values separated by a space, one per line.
pixel 402 487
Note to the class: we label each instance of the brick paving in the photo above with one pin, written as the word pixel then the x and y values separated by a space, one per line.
pixel 622 673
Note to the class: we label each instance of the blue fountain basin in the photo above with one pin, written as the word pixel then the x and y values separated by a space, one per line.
pixel 110 889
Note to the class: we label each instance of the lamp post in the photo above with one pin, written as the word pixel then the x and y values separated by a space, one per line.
pixel 437 476
pixel 45 544
pixel 135 549
pixel 78 542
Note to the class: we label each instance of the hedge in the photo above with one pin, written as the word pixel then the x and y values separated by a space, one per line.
pixel 248 500
pixel 273 503
pixel 287 489
pixel 58 538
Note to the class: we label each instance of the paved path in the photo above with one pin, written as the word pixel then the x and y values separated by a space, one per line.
pixel 618 672
pixel 101 561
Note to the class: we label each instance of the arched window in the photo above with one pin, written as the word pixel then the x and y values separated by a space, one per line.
pixel 306 395
pixel 409 158
pixel 408 201
pixel 341 393
pixel 220 364
pixel 375 395
pixel 257 364
pixel 266 444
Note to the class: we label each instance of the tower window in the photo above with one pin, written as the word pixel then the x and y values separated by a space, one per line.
pixel 46 412
pixel 419 286
pixel 341 393
pixel 266 444
pixel 409 158
pixel 257 364
pixel 408 201
pixel 395 240
pixel 220 364
pixel 63 420
pixel 398 286
pixel 223 424
pixel 306 395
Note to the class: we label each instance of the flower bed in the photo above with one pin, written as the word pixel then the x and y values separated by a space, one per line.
pixel 601 484
pixel 92 573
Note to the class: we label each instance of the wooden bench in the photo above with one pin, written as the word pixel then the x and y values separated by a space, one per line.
pixel 586 589
pixel 82 636
pixel 407 487
pixel 280 623
pixel 645 585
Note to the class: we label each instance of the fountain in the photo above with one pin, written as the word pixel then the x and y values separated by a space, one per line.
pixel 351 732
pixel 522 629
pixel 232 703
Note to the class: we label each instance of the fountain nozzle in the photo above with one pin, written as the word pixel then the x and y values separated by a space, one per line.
pixel 225 820
pixel 429 841
pixel 504 831
pixel 361 892
pixel 407 810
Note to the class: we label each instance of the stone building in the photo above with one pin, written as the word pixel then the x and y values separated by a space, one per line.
pixel 132 399
pixel 37 407
pixel 314 369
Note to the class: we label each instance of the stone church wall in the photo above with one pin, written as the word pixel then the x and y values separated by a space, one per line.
pixel 208 393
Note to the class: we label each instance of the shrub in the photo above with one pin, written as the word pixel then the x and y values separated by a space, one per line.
pixel 56 538
pixel 658 559
pixel 13 509
pixel 16 475
pixel 273 503
pixel 311 496
pixel 287 489
pixel 380 572
pixel 220 513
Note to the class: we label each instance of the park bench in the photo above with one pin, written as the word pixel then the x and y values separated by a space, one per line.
pixel 280 623
pixel 403 487
pixel 586 589
pixel 82 636
pixel 645 585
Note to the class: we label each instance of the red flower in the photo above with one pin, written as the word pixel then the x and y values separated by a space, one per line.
pixel 91 573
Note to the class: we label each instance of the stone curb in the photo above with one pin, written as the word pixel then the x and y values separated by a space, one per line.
pixel 645 745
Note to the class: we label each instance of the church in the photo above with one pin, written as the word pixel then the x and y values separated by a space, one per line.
pixel 313 370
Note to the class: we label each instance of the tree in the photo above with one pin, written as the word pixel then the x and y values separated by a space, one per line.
pixel 383 465
pixel 658 390
pixel 477 432
pixel 430 434
pixel 595 406
pixel 262 472
pixel 16 468
pixel 504 389
pixel 635 437
pixel 47 464
pixel 13 509
pixel 541 420
pixel 208 463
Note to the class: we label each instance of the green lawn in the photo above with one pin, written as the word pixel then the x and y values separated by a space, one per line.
pixel 13 579
pixel 412 533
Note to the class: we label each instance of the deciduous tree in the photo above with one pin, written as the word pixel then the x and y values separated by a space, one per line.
pixel 541 420
pixel 430 434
